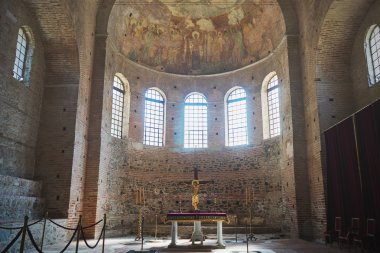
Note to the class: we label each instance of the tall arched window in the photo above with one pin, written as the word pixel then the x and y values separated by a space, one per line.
pixel 236 103
pixel 273 107
pixel 195 121
pixel 117 107
pixel 372 50
pixel 154 118
pixel 21 50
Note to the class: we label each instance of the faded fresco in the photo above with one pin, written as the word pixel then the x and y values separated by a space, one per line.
pixel 194 36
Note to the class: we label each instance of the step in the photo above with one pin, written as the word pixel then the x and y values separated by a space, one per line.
pixel 53 234
pixel 14 186
pixel 14 208
pixel 186 230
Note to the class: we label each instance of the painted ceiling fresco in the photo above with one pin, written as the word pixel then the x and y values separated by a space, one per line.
pixel 196 36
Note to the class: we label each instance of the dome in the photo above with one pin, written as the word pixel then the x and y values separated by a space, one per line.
pixel 196 37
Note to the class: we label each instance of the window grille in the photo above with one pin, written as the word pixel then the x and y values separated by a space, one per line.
pixel 237 118
pixel 117 107
pixel 195 121
pixel 154 118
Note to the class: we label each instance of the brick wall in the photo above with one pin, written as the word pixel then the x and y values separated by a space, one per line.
pixel 166 172
pixel 363 94
pixel 330 67
pixel 321 60
pixel 84 26
pixel 55 145
pixel 20 104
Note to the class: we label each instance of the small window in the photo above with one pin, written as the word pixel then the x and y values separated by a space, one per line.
pixel 24 53
pixel 154 118
pixel 237 117
pixel 117 107
pixel 20 59
pixel 273 107
pixel 270 99
pixel 195 121
pixel 372 50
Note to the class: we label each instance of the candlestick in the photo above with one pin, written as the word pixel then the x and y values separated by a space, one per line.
pixel 139 201
pixel 246 196
pixel 143 195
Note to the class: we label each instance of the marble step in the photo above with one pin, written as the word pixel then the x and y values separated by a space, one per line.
pixel 14 186
pixel 14 208
pixel 53 234
pixel 186 230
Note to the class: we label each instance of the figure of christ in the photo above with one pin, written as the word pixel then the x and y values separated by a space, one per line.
pixel 196 184
pixel 195 198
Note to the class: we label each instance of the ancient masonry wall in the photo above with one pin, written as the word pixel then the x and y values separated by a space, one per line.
pixel 165 173
pixel 334 81
pixel 20 106
pixel 20 102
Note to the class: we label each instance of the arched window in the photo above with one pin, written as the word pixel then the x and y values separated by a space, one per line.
pixel 195 121
pixel 21 50
pixel 372 50
pixel 236 104
pixel 154 118
pixel 117 107
pixel 273 107
pixel 270 106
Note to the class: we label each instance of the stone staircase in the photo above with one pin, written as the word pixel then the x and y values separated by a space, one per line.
pixel 20 197
pixel 186 230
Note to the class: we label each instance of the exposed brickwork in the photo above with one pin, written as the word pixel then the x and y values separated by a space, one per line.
pixel 84 198
pixel 65 113
pixel 56 135
pixel 126 164
pixel 327 30
pixel 364 94
pixel 84 29
pixel 20 105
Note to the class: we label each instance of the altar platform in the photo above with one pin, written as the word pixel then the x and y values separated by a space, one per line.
pixel 197 218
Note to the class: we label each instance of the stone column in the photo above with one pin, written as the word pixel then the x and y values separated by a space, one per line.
pixel 174 233
pixel 197 233
pixel 219 234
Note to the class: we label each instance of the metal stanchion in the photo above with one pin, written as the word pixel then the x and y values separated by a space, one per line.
pixel 78 231
pixel 246 236
pixel 155 231
pixel 236 228
pixel 24 228
pixel 104 232
pixel 142 233
pixel 43 231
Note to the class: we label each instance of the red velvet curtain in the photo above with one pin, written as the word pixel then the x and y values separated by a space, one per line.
pixel 367 123
pixel 345 198
pixel 335 206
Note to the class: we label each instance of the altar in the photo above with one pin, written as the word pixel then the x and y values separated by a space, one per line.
pixel 197 218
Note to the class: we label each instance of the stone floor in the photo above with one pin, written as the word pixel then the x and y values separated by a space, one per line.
pixel 264 244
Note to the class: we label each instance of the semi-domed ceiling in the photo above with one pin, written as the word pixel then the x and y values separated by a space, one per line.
pixel 196 37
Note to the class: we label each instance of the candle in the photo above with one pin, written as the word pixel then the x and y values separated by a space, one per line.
pixel 246 196
pixel 144 196
pixel 140 196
